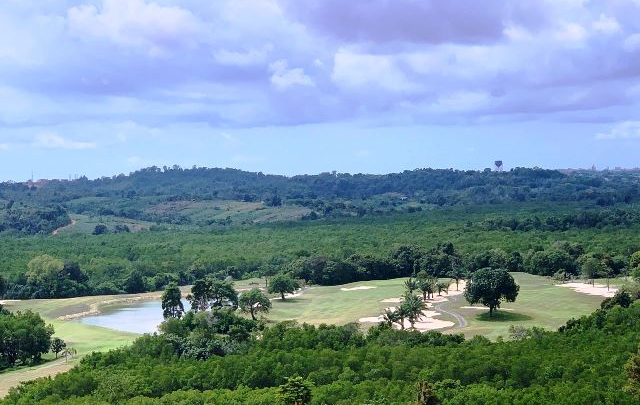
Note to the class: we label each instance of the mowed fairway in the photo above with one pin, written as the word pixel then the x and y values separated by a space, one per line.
pixel 332 305
pixel 540 303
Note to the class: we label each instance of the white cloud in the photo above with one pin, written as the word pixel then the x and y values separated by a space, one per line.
pixel 632 43
pixel 4 147
pixel 50 140
pixel 606 25
pixel 571 33
pixel 353 70
pixel 245 58
pixel 134 23
pixel 283 77
pixel 622 130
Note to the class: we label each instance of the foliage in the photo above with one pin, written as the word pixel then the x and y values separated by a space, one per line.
pixel 295 391
pixel 172 306
pixel 282 284
pixel 253 302
pixel 582 364
pixel 57 345
pixel 489 287
pixel 24 338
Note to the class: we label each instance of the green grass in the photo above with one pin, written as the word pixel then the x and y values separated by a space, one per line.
pixel 331 305
pixel 540 303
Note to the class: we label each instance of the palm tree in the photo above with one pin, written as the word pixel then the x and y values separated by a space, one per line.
pixel 442 286
pixel 457 274
pixel 427 286
pixel 391 317
pixel 412 307
pixel 411 285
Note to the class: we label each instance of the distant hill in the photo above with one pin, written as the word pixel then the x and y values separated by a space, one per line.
pixel 221 197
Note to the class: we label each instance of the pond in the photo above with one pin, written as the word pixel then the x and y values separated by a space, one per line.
pixel 141 317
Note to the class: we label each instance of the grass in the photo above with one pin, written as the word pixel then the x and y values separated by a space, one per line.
pixel 539 303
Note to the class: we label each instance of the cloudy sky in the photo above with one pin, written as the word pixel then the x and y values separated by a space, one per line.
pixel 302 86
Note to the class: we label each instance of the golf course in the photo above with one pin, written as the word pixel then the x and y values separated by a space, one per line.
pixel 541 303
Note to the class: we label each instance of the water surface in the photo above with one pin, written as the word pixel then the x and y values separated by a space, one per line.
pixel 139 317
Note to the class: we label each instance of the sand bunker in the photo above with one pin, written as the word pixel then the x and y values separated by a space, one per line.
pixel 596 289
pixel 362 287
pixel 428 319
pixel 426 322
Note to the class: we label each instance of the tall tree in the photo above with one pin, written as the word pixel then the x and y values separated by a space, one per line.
pixel 491 286
pixel 457 274
pixel 222 294
pixel 57 345
pixel 199 297
pixel 172 302
pixel 442 286
pixel 253 302
pixel 410 285
pixel 412 307
pixel 295 391
pixel 282 284
pixel 426 395
pixel 135 283
pixel 427 286
pixel 591 267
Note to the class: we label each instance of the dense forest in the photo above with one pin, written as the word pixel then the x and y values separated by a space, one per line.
pixel 152 194
pixel 326 252
pixel 218 358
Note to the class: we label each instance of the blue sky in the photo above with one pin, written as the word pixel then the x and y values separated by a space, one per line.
pixel 303 86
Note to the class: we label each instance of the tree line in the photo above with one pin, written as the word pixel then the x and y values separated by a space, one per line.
pixel 51 277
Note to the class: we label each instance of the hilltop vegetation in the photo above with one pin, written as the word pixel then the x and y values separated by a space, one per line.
pixel 202 197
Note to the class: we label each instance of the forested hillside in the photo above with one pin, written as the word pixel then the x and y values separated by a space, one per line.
pixel 172 195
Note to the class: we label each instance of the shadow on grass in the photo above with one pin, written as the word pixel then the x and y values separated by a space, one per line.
pixel 287 300
pixel 503 316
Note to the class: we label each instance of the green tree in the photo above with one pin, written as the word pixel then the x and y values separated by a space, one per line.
pixel 44 271
pixel 135 283
pixel 254 301
pixel 410 285
pixel 295 391
pixel 172 306
pixel 633 375
pixel 100 229
pixel 57 345
pixel 489 287
pixel 199 297
pixel 427 286
pixel 426 394
pixel 222 294
pixel 412 308
pixel 442 286
pixel 591 267
pixel 457 274
pixel 282 284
